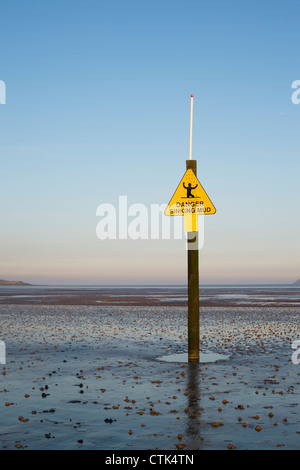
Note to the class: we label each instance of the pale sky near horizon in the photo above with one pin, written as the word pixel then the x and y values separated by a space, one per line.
pixel 97 107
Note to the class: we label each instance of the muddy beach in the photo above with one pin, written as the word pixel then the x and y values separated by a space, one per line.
pixel 112 375
pixel 173 296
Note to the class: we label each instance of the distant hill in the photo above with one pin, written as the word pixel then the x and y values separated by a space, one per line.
pixel 13 283
pixel 297 283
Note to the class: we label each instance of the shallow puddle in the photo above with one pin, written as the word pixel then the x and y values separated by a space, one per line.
pixel 204 357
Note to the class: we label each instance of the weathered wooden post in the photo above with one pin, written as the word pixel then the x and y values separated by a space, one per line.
pixel 193 285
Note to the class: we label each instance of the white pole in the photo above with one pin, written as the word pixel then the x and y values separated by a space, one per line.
pixel 191 126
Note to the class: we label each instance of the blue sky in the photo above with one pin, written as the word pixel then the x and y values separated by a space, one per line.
pixel 97 106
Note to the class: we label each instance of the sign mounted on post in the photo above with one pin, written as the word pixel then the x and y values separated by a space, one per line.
pixel 190 198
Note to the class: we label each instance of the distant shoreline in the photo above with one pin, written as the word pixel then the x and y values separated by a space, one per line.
pixel 22 283
pixel 163 296
pixel 13 283
pixel 7 283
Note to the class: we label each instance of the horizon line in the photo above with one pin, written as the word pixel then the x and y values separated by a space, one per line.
pixel 150 285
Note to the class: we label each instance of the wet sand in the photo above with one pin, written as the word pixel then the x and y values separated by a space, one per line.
pixel 151 296
pixel 91 376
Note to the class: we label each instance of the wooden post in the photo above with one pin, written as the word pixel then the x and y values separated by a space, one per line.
pixel 193 286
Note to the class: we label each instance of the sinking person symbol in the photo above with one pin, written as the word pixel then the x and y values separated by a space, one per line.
pixel 189 189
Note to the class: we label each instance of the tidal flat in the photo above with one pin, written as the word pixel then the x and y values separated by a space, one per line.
pixel 98 377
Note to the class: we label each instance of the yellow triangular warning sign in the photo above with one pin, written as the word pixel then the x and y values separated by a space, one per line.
pixel 190 198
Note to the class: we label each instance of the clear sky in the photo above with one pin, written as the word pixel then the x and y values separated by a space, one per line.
pixel 97 106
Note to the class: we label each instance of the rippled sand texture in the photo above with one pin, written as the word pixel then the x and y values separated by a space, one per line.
pixel 89 377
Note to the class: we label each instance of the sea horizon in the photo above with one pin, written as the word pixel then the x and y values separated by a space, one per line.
pixel 155 285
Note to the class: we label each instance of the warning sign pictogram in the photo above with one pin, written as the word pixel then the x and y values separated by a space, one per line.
pixel 190 198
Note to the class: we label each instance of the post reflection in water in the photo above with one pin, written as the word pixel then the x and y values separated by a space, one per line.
pixel 193 428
